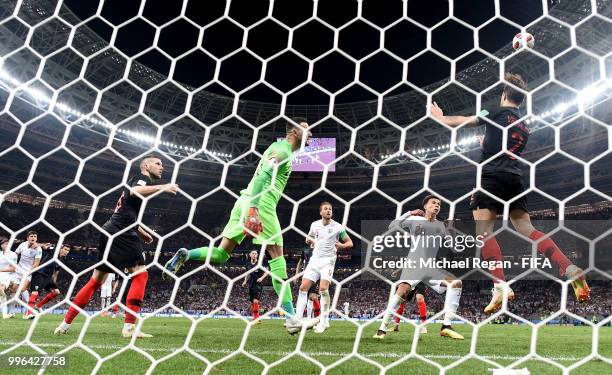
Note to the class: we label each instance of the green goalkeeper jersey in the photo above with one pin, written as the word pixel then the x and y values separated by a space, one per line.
pixel 281 150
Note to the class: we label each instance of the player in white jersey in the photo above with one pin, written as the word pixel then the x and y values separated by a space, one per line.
pixel 327 237
pixel 8 260
pixel 30 254
pixel 106 292
pixel 439 280
pixel 346 307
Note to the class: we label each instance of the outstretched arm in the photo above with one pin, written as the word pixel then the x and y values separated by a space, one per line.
pixel 452 121
pixel 145 190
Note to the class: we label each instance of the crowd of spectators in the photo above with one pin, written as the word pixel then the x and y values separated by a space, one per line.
pixel 207 291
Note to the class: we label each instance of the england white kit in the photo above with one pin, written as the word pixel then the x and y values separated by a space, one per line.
pixel 27 256
pixel 107 288
pixel 321 265
pixel 7 259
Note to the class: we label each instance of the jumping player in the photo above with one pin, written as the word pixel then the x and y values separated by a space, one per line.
pixel 126 250
pixel 45 278
pixel 254 280
pixel 502 177
pixel 254 213
pixel 327 236
pixel 445 283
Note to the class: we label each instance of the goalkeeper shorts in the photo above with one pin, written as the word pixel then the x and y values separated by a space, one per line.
pixel 271 234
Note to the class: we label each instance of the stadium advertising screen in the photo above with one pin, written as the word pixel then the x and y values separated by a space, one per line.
pixel 321 149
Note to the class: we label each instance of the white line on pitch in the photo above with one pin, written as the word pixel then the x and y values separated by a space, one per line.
pixel 312 354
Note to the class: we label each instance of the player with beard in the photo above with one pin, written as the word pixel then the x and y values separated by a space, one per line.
pixel 126 250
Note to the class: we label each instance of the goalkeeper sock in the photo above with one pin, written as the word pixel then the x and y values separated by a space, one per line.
pixel 301 304
pixel 394 303
pixel 451 304
pixel 278 268
pixel 550 250
pixel 218 256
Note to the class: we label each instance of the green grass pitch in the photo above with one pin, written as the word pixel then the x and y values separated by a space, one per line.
pixel 216 339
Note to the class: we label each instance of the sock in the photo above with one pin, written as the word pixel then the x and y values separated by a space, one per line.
pixel 451 304
pixel 103 303
pixel 308 309
pixel 394 303
pixel 31 302
pixel 422 310
pixel 49 297
pixel 115 309
pixel 399 312
pixel 3 302
pixel 218 256
pixel 301 304
pixel 316 308
pixel 82 299
pixel 255 306
pixel 325 302
pixel 492 252
pixel 278 268
pixel 11 305
pixel 135 296
pixel 25 296
pixel 550 250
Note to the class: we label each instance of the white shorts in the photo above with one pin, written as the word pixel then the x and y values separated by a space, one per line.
pixel 17 276
pixel 5 279
pixel 320 268
pixel 106 293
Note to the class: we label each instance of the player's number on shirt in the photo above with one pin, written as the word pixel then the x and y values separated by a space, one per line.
pixel 519 141
pixel 119 202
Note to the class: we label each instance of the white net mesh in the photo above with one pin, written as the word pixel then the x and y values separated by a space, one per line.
pixel 101 89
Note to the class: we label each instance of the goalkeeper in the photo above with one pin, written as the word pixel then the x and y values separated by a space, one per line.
pixel 254 213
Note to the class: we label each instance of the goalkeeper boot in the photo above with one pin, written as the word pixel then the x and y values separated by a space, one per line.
pixel 176 262
pixel 581 288
pixel 498 295
pixel 423 330
pixel 448 331
pixel 396 327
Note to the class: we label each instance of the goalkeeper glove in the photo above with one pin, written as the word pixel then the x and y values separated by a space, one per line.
pixel 252 222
